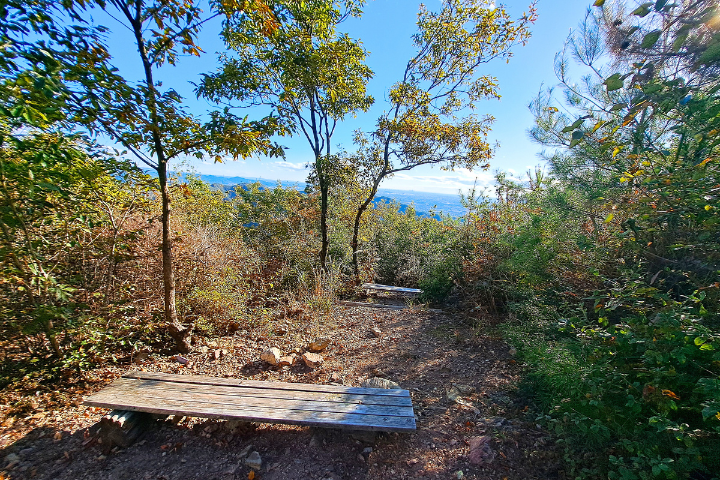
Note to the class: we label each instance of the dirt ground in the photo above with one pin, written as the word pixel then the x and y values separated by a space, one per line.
pixel 481 429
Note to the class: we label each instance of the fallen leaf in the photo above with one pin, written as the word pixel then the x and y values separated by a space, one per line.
pixel 57 436
pixel 251 475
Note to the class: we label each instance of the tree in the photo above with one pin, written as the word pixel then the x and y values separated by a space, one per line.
pixel 150 123
pixel 421 125
pixel 637 139
pixel 305 70
pixel 646 134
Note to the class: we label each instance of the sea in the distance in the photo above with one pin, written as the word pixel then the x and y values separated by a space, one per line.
pixel 424 203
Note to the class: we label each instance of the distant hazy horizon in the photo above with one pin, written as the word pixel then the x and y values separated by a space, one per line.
pixel 422 201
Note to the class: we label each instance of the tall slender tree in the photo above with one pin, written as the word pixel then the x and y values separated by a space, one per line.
pixel 426 121
pixel 310 74
pixel 149 121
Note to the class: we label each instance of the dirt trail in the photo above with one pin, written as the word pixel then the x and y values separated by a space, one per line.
pixel 476 431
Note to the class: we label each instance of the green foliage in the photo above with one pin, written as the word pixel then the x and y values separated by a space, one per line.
pixel 63 204
pixel 416 251
pixel 426 122
pixel 305 70
pixel 629 376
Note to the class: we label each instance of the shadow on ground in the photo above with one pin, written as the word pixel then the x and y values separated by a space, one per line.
pixel 424 352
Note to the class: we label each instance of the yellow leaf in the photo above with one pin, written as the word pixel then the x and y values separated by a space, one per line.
pixel 708 207
pixel 671 394
pixel 704 162
pixel 609 218
pixel 616 151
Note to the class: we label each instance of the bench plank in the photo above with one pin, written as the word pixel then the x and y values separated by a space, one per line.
pixel 272 402
pixel 243 392
pixel 236 382
pixel 265 415
pixel 391 288
pixel 239 402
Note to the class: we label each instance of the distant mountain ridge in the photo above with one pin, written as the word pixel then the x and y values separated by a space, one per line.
pixel 426 204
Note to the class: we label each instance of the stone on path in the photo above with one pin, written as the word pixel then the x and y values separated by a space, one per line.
pixel 271 356
pixel 312 360
pixel 481 453
pixel 287 361
pixel 376 331
pixel 318 345
pixel 254 461
pixel 377 382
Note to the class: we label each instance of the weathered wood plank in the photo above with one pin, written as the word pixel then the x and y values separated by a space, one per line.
pixel 305 387
pixel 260 414
pixel 231 404
pixel 243 391
pixel 348 303
pixel 391 288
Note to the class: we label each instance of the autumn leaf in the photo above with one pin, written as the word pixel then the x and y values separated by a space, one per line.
pixel 669 393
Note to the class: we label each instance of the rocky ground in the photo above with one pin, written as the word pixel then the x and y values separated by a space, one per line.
pixel 462 379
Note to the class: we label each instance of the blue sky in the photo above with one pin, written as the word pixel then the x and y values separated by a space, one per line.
pixel 385 30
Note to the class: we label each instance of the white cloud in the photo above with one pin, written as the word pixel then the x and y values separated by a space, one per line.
pixel 290 166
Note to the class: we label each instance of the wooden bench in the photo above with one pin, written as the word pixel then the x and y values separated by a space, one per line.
pixel 256 401
pixel 409 292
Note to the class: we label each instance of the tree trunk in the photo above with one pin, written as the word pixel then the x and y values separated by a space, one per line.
pixel 356 233
pixel 356 226
pixel 323 225
pixel 177 331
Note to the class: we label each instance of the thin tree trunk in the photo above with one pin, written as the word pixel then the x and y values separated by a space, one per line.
pixel 323 226
pixel 177 331
pixel 356 228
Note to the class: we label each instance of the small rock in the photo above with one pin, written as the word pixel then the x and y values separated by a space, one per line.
pixel 335 377
pixel 312 360
pixel 367 450
pixel 12 458
pixel 464 389
pixel 254 461
pixel 513 351
pixel 453 394
pixel 180 359
pixel 204 349
pixel 376 331
pixel 287 361
pixel 217 354
pixel 360 458
pixel 318 345
pixel 243 453
pixel 480 451
pixel 271 356
pixel 377 382
pixel 314 442
pixel 141 356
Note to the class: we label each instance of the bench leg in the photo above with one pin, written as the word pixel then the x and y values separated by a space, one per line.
pixel 121 428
